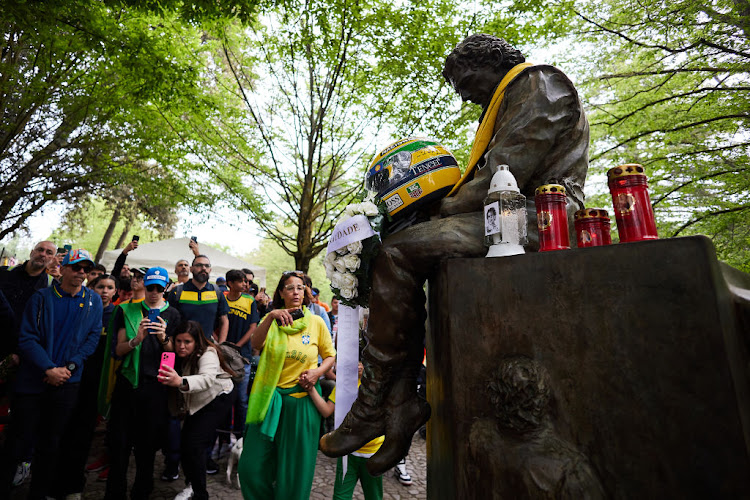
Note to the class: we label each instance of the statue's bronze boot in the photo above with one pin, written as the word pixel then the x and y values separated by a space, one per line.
pixel 353 433
pixel 405 412
pixel 402 422
pixel 366 419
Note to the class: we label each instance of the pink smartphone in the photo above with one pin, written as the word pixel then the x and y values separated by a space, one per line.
pixel 167 358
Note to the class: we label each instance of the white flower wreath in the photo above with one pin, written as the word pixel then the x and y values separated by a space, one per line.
pixel 348 267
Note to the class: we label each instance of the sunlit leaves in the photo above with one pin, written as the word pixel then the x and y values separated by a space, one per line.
pixel 667 84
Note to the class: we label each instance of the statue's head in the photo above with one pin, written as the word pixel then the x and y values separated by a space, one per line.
pixel 520 393
pixel 476 66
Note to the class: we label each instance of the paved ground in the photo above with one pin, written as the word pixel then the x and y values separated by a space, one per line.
pixel 325 472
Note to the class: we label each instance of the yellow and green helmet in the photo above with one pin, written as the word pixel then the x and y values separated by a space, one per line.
pixel 412 173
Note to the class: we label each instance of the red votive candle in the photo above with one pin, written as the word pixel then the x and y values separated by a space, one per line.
pixel 552 217
pixel 592 227
pixel 633 212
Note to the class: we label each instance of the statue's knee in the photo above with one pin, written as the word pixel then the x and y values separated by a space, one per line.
pixel 391 251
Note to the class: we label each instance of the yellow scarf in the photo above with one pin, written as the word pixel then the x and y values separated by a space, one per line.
pixel 269 367
pixel 484 132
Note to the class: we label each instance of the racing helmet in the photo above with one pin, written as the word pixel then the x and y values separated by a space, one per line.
pixel 412 173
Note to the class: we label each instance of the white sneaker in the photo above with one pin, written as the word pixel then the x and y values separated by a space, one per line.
pixel 23 470
pixel 215 451
pixel 185 494
pixel 403 476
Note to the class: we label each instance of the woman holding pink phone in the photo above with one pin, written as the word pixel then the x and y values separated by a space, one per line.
pixel 138 414
pixel 204 379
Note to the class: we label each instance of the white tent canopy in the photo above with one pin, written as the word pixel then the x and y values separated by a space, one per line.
pixel 166 253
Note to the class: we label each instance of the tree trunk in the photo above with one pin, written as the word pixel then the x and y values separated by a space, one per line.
pixel 121 240
pixel 107 234
pixel 302 261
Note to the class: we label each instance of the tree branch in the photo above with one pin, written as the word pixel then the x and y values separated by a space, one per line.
pixel 707 215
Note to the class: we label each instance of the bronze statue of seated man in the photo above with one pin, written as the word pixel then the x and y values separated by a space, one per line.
pixel 534 122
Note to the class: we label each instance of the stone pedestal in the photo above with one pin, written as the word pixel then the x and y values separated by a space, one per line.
pixel 646 346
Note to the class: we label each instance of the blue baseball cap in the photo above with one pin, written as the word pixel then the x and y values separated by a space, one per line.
pixel 76 256
pixel 156 276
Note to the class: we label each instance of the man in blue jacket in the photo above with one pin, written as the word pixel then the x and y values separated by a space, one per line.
pixel 60 328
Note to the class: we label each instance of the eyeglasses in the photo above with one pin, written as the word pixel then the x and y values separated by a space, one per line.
pixel 78 268
pixel 291 288
pixel 202 266
pixel 155 288
pixel 293 273
pixel 137 277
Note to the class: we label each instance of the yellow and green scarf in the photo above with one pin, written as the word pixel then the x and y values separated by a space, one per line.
pixel 129 365
pixel 262 401
pixel 487 127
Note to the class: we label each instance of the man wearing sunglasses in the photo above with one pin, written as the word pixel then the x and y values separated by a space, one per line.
pixel 144 331
pixel 137 285
pixel 201 301
pixel 60 328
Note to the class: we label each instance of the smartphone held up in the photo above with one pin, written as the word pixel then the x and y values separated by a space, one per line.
pixel 296 314
pixel 153 316
pixel 167 359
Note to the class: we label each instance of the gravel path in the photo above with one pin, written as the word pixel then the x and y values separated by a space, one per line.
pixel 325 472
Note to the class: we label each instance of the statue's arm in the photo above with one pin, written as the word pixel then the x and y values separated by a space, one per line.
pixel 470 197
pixel 539 113
pixel 539 110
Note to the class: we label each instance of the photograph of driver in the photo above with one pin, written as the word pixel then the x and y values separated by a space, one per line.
pixel 400 165
pixel 491 225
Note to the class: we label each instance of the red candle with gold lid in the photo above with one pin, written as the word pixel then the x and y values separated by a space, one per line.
pixel 552 217
pixel 592 227
pixel 628 186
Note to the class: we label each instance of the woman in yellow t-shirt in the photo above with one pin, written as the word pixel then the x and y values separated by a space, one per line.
pixel 283 426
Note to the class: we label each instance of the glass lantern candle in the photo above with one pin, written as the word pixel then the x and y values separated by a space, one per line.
pixel 552 217
pixel 628 186
pixel 592 227
pixel 504 215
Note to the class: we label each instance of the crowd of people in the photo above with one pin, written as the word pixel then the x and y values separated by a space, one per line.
pixel 148 355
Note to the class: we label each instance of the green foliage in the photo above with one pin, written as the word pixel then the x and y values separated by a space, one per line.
pixel 317 88
pixel 195 10
pixel 83 87
pixel 84 226
pixel 668 88
pixel 14 247
pixel 275 261
pixel 665 84
pixel 162 105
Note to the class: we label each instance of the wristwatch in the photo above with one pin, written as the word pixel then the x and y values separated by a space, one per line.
pixel 71 366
